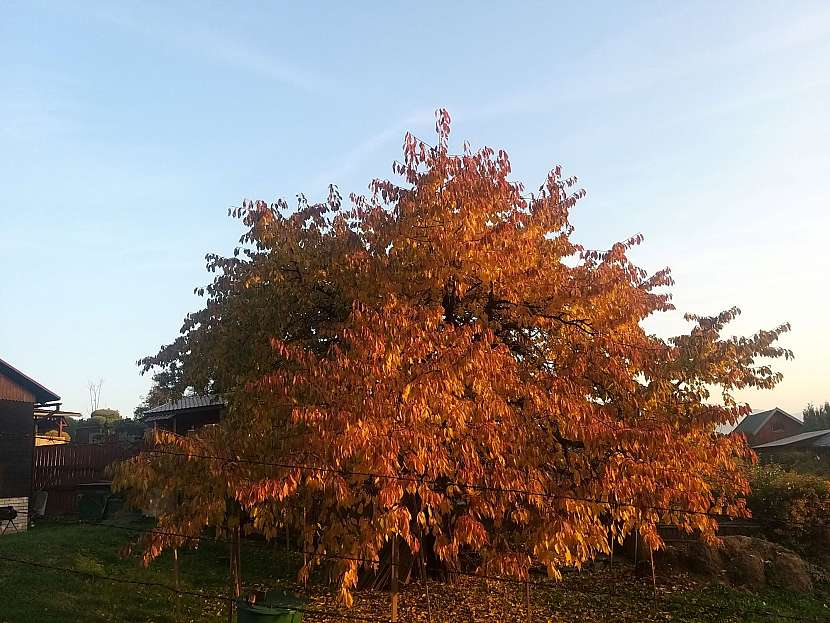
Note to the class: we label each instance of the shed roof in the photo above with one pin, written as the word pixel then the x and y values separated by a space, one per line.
pixel 820 437
pixel 187 403
pixel 41 394
pixel 754 422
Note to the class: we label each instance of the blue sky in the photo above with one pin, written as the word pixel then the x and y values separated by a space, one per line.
pixel 127 130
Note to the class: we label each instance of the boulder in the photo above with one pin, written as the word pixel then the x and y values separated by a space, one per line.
pixel 745 562
pixel 790 573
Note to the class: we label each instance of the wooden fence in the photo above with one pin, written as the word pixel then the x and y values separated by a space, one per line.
pixel 61 470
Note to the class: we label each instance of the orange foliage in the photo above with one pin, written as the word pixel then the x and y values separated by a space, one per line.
pixel 456 366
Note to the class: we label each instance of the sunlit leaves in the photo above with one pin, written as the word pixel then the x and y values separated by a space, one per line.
pixel 459 372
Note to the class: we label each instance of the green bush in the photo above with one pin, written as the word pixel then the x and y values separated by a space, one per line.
pixel 792 508
pixel 805 461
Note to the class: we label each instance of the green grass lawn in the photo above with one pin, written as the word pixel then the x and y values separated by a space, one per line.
pixel 33 594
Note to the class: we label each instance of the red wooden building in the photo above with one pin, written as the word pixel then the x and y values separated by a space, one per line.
pixel 766 426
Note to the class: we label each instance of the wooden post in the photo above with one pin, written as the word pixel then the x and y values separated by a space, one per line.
pixel 426 579
pixel 177 596
pixel 653 572
pixel 305 544
pixel 232 571
pixel 237 560
pixel 527 596
pixel 611 542
pixel 394 574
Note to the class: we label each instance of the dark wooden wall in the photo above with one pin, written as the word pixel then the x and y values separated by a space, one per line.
pixel 62 470
pixel 9 390
pixel 16 445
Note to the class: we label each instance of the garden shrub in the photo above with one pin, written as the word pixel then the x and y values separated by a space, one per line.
pixel 802 460
pixel 793 508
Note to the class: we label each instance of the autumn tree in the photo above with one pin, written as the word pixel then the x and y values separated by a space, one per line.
pixel 440 361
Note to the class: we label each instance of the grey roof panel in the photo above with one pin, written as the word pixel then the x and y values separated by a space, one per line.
pixel 786 441
pixel 822 442
pixel 187 402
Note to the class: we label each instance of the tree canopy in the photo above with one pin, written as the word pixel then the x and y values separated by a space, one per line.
pixel 105 416
pixel 817 417
pixel 441 360
pixel 162 390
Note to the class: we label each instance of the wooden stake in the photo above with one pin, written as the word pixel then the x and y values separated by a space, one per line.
pixel 394 579
pixel 426 578
pixel 237 545
pixel 653 572
pixel 233 572
pixel 177 596
pixel 611 541
pixel 305 547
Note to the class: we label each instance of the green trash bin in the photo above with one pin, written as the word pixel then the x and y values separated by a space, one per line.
pixel 91 505
pixel 275 607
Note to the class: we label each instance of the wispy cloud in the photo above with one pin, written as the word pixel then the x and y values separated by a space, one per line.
pixel 609 70
pixel 358 154
pixel 204 41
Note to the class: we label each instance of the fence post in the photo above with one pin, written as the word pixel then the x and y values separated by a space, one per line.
pixel 177 596
pixel 394 579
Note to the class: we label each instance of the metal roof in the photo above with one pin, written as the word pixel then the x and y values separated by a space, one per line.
pixel 41 394
pixel 754 422
pixel 186 403
pixel 818 435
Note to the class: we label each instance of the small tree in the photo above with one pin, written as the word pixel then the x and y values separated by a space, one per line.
pixel 94 389
pixel 105 417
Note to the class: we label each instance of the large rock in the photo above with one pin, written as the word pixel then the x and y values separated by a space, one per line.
pixel 790 572
pixel 743 563
pixel 746 562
